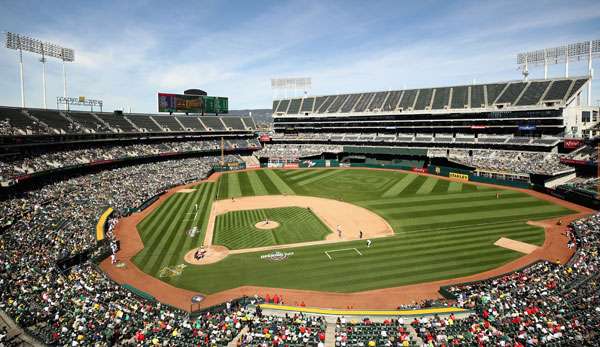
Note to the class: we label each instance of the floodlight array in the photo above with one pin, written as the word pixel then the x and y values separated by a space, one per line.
pixel 560 54
pixel 290 83
pixel 25 43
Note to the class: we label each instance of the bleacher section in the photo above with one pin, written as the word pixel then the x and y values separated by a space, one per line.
pixel 511 93
pixel 440 100
pixel 17 121
pixel 392 100
pixel 168 123
pixel 307 105
pixel 88 121
pixel 408 100
pixel 193 123
pixel 377 102
pixel 117 122
pixel 295 106
pixel 516 93
pixel 214 123
pixel 233 123
pixel 144 122
pixel 533 93
pixel 424 99
pixel 52 119
pixel 493 91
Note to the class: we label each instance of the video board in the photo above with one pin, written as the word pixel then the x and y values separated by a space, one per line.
pixel 179 103
pixel 184 103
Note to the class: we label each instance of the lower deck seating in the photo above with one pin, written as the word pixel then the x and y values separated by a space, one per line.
pixel 368 333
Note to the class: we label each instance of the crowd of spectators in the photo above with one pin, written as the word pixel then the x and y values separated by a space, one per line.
pixel 82 306
pixel 296 150
pixel 517 162
pixel 589 184
pixel 18 165
pixel 296 330
pixel 6 128
pixel 390 332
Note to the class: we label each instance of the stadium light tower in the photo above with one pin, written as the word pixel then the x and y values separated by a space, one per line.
pixel 286 84
pixel 562 54
pixel 45 49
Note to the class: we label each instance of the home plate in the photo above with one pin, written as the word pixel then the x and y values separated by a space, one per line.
pixel 515 245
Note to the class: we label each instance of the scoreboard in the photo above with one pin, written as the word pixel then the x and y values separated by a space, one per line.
pixel 186 103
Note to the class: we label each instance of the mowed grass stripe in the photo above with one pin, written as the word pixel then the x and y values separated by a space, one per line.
pixel 245 186
pixel 459 207
pixel 156 214
pixel 151 251
pixel 427 186
pixel 304 174
pixel 437 198
pixel 454 187
pixel 175 229
pixel 267 182
pixel 398 187
pixel 164 212
pixel 204 206
pixel 224 186
pixel 275 177
pixel 320 176
pixel 441 187
pixel 234 185
pixel 412 188
pixel 182 238
pixel 469 187
pixel 256 183
pixel 467 217
pixel 440 269
pixel 391 264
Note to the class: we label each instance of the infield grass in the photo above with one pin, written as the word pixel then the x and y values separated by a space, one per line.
pixel 442 230
pixel 236 229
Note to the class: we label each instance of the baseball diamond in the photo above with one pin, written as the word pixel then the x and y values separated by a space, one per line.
pixel 449 232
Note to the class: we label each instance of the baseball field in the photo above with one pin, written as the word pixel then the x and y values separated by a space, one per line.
pixel 440 229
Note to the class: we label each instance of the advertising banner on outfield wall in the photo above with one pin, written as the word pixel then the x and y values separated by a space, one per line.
pixel 458 176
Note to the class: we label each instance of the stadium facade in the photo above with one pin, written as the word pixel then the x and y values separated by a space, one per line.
pixel 536 114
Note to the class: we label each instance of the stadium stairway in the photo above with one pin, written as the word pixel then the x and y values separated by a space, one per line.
pixel 250 160
pixel 233 343
pixel 330 335
pixel 15 335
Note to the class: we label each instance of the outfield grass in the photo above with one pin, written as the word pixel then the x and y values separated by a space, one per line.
pixel 443 230
pixel 235 230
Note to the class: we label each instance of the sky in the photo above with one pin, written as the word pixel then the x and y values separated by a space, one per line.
pixel 128 51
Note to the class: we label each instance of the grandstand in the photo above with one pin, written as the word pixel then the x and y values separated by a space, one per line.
pixel 28 121
pixel 530 109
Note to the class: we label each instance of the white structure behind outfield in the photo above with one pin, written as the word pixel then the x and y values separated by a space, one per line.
pixel 573 52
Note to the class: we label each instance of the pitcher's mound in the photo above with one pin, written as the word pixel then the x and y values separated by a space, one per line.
pixel 266 225
pixel 211 254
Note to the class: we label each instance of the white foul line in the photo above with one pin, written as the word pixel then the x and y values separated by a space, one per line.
pixel 341 250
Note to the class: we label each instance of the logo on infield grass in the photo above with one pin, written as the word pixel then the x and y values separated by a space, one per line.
pixel 276 256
